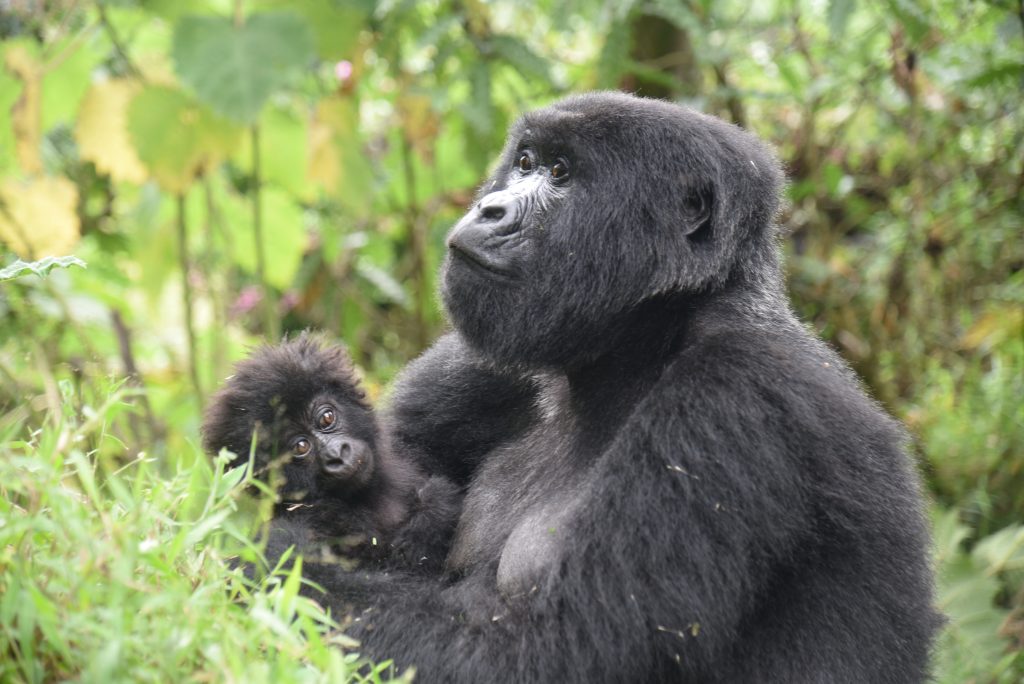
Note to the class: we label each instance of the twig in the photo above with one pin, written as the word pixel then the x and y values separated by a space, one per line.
pixel 186 296
pixel 115 40
pixel 271 326
pixel 417 241
pixel 124 343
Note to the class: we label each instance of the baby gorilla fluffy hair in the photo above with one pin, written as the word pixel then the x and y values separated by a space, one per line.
pixel 316 439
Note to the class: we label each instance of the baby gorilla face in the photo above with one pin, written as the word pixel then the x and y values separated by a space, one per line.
pixel 326 448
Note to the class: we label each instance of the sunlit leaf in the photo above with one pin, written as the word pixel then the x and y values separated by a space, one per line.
pixel 40 268
pixel 26 115
pixel 518 54
pixel 284 140
pixel 336 159
pixel 284 235
pixel 335 25
pixel 993 327
pixel 175 137
pixel 420 123
pixel 102 130
pixel 38 216
pixel 234 69
pixel 384 282
pixel 839 12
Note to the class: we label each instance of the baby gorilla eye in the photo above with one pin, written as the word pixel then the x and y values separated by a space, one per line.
pixel 301 447
pixel 325 419
pixel 525 162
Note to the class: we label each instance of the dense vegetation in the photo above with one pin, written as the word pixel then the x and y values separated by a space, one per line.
pixel 220 173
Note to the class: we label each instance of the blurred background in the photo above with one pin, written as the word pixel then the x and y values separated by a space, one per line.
pixel 212 174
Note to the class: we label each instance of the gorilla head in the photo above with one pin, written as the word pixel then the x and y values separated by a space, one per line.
pixel 310 417
pixel 600 204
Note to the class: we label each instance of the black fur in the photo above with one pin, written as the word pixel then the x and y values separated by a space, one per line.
pixel 348 497
pixel 670 479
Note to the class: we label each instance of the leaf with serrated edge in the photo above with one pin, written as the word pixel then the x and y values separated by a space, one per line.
pixel 38 216
pixel 234 69
pixel 102 130
pixel 175 137
pixel 40 268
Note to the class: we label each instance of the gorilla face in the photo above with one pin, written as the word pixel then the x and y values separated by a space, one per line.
pixel 325 446
pixel 310 417
pixel 599 203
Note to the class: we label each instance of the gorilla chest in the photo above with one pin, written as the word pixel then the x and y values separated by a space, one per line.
pixel 517 515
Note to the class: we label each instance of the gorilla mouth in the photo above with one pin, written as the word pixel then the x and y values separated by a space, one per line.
pixel 478 263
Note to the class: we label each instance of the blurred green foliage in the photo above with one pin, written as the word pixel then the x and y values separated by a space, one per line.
pixel 230 171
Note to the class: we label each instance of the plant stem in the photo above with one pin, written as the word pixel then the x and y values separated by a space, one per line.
pixel 418 244
pixel 271 327
pixel 215 255
pixel 186 295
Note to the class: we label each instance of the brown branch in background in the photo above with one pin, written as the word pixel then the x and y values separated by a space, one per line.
pixel 732 100
pixel 131 370
pixel 186 296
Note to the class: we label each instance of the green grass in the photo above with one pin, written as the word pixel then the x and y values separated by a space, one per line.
pixel 115 570
pixel 116 567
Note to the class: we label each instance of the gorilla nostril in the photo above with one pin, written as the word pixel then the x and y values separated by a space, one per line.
pixel 492 212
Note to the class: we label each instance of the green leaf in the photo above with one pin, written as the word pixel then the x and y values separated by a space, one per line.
pixel 175 137
pixel 519 55
pixel 911 16
pixel 40 268
pixel 839 12
pixel 385 283
pixel 614 55
pixel 335 25
pixel 479 111
pixel 234 69
pixel 1009 73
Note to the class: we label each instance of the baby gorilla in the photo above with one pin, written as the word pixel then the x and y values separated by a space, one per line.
pixel 342 492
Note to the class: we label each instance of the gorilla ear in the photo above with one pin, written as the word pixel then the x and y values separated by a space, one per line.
pixel 696 211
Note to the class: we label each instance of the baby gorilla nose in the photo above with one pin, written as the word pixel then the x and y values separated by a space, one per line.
pixel 339 459
pixel 346 461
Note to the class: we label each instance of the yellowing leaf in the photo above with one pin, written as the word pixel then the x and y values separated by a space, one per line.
pixel 26 117
pixel 176 137
pixel 336 158
pixel 102 130
pixel 994 327
pixel 420 124
pixel 37 216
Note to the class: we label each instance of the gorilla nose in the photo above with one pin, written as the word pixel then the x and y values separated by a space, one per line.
pixel 338 460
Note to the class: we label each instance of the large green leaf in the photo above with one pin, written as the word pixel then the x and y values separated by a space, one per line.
pixel 175 137
pixel 335 25
pixel 234 69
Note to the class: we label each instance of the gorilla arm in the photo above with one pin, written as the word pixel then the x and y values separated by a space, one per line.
pixel 449 408
pixel 672 544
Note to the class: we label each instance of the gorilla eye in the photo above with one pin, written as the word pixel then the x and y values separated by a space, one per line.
pixel 301 447
pixel 325 419
pixel 560 171
pixel 525 162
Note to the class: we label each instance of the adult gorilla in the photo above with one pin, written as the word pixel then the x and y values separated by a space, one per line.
pixel 668 478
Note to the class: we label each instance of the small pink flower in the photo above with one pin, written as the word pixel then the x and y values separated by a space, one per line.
pixel 289 300
pixel 247 300
pixel 343 70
